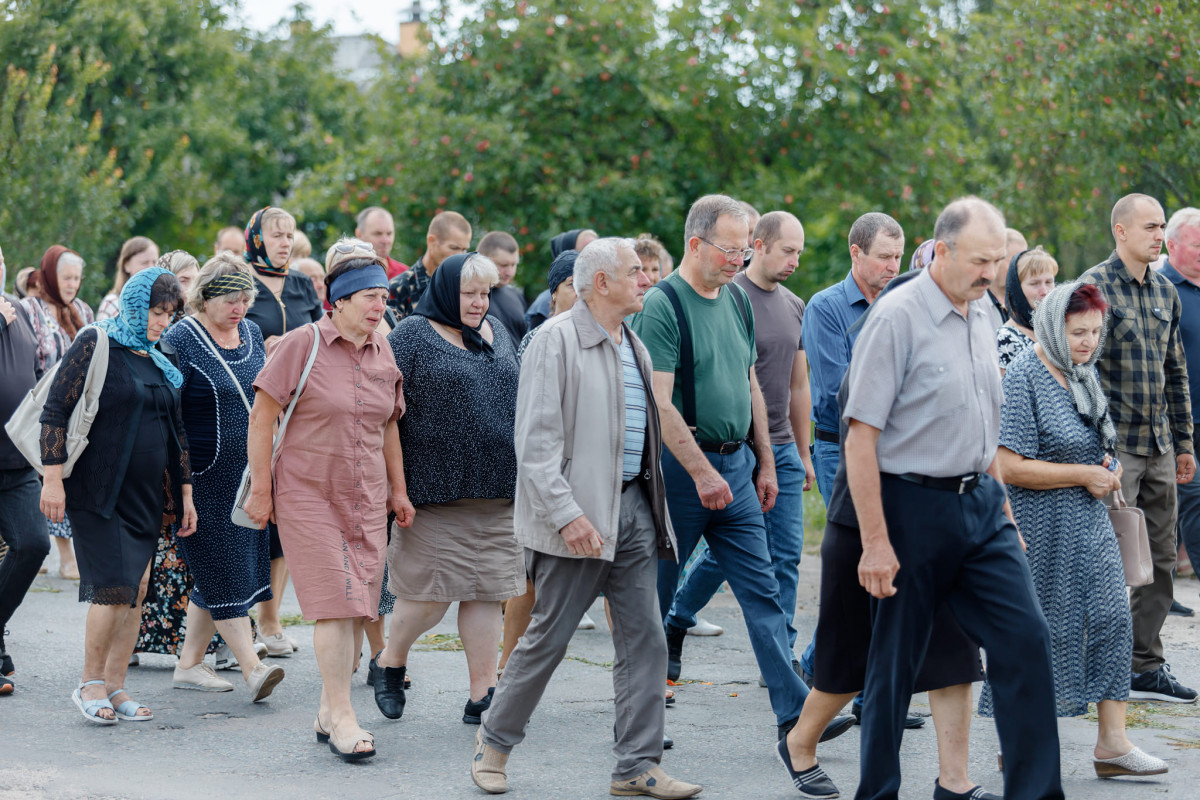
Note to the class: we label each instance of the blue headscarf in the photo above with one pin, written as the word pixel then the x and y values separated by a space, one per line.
pixel 129 328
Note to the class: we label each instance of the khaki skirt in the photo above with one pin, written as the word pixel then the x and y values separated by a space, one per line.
pixel 462 550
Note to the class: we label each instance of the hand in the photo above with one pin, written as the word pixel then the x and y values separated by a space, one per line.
pixel 767 487
pixel 581 538
pixel 1100 482
pixel 260 508
pixel 810 473
pixel 188 526
pixel 714 491
pixel 7 311
pixel 876 569
pixel 1185 468
pixel 399 504
pixel 54 500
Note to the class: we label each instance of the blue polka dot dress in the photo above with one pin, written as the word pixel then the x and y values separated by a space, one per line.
pixel 1072 549
pixel 230 565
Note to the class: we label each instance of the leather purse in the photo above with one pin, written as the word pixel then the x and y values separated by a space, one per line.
pixel 1129 523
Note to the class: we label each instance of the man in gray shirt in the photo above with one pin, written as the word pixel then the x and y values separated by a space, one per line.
pixel 923 412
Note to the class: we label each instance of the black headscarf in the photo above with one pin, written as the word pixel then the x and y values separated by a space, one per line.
pixel 564 241
pixel 1019 309
pixel 440 302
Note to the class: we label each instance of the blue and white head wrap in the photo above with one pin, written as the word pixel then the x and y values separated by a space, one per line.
pixel 129 328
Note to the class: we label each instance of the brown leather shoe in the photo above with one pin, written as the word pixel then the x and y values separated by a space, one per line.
pixel 487 767
pixel 654 783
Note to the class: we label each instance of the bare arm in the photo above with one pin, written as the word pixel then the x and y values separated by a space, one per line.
pixel 1029 473
pixel 713 490
pixel 767 484
pixel 393 459
pixel 259 440
pixel 878 565
pixel 800 414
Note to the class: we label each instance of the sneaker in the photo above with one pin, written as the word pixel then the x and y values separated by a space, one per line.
pixel 295 645
pixel 812 782
pixel 1178 609
pixel 488 767
pixel 263 680
pixel 278 645
pixel 654 783
pixel 705 628
pixel 1135 762
pixel 974 793
pixel 6 664
pixel 202 678
pixel 1160 685
pixel 674 651
pixel 225 659
pixel 586 623
pixel 473 711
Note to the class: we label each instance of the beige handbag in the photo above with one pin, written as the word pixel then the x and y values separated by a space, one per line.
pixel 1134 541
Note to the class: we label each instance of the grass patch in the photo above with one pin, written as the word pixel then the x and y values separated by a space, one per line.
pixel 445 642
pixel 814 521
pixel 290 620
pixel 590 662
pixel 1150 715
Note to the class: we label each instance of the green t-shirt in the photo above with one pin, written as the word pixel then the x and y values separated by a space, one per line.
pixel 723 352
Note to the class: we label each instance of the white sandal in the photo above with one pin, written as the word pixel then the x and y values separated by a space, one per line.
pixel 128 710
pixel 1135 762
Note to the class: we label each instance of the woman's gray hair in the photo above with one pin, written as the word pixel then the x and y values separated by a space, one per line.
pixel 602 255
pixel 479 266
pixel 177 261
pixel 69 258
pixel 223 263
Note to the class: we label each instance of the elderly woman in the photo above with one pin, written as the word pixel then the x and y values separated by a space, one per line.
pixel 220 354
pixel 136 254
pixel 115 495
pixel 1030 278
pixel 285 301
pixel 562 292
pixel 576 239
pixel 1056 441
pixel 335 473
pixel 57 314
pixel 460 470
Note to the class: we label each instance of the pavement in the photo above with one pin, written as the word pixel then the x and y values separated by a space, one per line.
pixel 222 746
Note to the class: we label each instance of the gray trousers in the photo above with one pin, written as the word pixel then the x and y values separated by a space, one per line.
pixel 565 588
pixel 1148 482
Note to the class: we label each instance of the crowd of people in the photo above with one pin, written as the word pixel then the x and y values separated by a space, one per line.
pixel 395 438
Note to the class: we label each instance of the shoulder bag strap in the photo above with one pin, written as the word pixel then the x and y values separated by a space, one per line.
pixel 312 356
pixel 687 358
pixel 203 336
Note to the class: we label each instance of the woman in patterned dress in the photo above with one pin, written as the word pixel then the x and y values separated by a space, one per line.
pixel 1030 278
pixel 57 314
pixel 1056 441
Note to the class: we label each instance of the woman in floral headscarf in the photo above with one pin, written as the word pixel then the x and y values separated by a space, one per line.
pixel 137 454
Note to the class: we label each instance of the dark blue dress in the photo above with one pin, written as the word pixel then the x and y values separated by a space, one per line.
pixel 230 565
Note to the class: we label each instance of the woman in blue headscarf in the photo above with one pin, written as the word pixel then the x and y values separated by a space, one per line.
pixel 134 469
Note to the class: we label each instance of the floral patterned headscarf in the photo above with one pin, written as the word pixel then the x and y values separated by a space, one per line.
pixel 256 252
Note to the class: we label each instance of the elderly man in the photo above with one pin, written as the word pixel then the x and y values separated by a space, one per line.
pixel 1143 370
pixel 923 414
pixel 593 522
pixel 375 225
pixel 230 239
pixel 22 526
pixel 449 234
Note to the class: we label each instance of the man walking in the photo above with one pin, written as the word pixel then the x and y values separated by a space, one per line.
pixel 594 522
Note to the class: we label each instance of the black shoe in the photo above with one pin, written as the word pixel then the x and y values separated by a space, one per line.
pixel 975 793
pixel 812 782
pixel 1178 609
pixel 668 742
pixel 473 712
pixel 911 722
pixel 6 665
pixel 1160 685
pixel 675 637
pixel 373 668
pixel 389 691
pixel 834 729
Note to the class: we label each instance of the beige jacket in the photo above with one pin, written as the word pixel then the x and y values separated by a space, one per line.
pixel 570 436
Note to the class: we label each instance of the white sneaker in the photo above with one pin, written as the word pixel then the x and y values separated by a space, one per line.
pixel 263 680
pixel 278 645
pixel 227 660
pixel 202 678
pixel 705 628
pixel 295 645
pixel 586 624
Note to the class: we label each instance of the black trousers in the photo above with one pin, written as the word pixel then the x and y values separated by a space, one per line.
pixel 960 549
pixel 23 529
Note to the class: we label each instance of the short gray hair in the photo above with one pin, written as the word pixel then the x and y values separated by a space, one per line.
pixel 476 266
pixel 703 215
pixel 956 216
pixel 602 255
pixel 1183 218
pixel 869 225
pixel 360 221
pixel 223 263
pixel 68 258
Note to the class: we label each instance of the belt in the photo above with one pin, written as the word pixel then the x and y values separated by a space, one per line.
pixel 960 484
pixel 826 436
pixel 722 448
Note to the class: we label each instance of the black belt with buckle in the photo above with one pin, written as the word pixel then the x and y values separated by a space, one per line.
pixel 721 448
pixel 826 436
pixel 960 484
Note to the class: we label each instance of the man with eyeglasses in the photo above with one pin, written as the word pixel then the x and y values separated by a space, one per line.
pixel 709 403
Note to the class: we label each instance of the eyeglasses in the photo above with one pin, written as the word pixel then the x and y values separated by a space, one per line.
pixel 730 255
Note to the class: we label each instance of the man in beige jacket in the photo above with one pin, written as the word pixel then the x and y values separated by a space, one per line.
pixel 591 513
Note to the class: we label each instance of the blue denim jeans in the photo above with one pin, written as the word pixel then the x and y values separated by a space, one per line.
pixel 785 543
pixel 24 531
pixel 1188 524
pixel 825 458
pixel 737 537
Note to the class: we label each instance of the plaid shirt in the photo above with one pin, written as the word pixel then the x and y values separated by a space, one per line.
pixel 406 289
pixel 1143 369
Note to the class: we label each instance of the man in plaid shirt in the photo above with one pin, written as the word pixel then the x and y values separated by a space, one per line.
pixel 1144 373
pixel 449 234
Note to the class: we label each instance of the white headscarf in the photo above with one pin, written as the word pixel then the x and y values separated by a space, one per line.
pixel 1050 327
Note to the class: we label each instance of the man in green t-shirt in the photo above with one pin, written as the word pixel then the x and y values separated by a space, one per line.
pixel 712 489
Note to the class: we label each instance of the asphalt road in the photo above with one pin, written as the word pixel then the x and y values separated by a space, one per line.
pixel 220 745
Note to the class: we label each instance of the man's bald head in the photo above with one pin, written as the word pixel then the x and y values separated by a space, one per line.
pixel 961 213
pixel 1125 208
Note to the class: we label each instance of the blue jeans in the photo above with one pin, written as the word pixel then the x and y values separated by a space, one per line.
pixel 785 542
pixel 24 531
pixel 1188 523
pixel 825 457
pixel 738 538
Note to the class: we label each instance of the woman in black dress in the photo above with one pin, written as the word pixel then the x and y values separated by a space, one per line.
pixel 285 301
pixel 116 494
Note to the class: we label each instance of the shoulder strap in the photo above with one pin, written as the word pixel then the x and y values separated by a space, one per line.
pixel 687 358
pixel 203 336
pixel 312 356
pixel 739 300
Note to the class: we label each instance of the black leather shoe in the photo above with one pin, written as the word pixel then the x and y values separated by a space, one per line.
pixel 473 712
pixel 834 729
pixel 911 722
pixel 675 637
pixel 389 691
pixel 373 668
